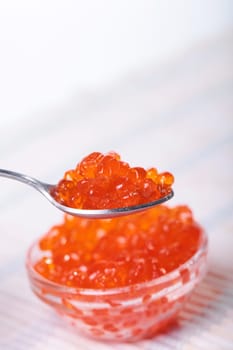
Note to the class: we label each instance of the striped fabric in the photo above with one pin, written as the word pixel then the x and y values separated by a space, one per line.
pixel 179 117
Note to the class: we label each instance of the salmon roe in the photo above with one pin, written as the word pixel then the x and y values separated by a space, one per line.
pixel 91 259
pixel 104 181
pixel 109 253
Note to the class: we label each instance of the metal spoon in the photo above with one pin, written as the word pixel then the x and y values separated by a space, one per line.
pixel 45 189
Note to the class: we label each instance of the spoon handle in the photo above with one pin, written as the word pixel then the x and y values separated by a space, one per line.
pixel 28 180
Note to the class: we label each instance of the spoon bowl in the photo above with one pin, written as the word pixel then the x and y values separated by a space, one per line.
pixel 45 189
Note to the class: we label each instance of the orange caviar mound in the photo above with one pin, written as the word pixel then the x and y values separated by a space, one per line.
pixel 117 252
pixel 105 182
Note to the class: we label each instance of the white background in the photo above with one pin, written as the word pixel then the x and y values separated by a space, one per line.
pixel 51 51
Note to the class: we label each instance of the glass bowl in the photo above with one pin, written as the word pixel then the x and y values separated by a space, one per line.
pixel 121 314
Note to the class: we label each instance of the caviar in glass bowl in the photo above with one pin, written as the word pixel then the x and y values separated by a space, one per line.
pixel 120 279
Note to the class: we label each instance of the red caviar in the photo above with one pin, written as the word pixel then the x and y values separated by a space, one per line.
pixel 110 253
pixel 97 257
pixel 135 311
pixel 104 181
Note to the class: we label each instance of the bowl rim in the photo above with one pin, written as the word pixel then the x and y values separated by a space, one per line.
pixel 59 288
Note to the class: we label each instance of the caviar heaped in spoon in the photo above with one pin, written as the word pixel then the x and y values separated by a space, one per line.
pixel 102 186
pixel 106 182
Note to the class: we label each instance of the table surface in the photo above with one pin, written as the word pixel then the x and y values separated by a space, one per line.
pixel 178 117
